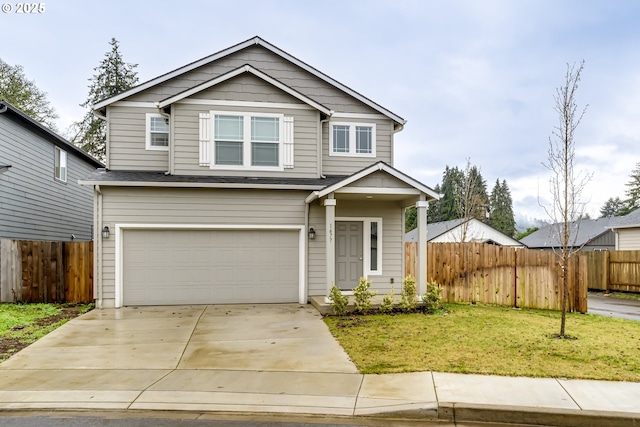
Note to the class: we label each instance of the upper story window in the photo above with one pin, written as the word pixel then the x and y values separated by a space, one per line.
pixel 60 164
pixel 157 132
pixel 352 139
pixel 247 140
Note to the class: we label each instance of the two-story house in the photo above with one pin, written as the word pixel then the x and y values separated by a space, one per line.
pixel 249 176
pixel 40 198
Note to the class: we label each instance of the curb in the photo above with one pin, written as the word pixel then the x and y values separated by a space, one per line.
pixel 456 412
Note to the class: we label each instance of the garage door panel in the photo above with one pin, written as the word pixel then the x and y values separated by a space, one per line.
pixel 210 266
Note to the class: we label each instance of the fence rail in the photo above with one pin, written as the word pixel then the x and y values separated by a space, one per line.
pixel 492 274
pixel 614 270
pixel 38 271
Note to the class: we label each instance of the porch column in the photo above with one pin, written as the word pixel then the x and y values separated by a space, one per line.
pixel 421 279
pixel 330 221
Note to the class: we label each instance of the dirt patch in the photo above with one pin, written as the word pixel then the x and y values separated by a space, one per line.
pixel 10 346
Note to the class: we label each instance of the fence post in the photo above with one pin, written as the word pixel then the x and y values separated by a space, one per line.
pixel 606 267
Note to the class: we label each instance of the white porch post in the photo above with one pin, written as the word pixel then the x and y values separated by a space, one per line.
pixel 421 207
pixel 330 221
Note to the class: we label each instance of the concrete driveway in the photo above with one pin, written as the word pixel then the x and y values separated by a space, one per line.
pixel 274 337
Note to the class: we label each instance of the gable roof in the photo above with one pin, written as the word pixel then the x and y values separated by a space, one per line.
pixel 241 70
pixel 379 166
pixel 631 220
pixel 240 46
pixel 47 133
pixel 587 230
pixel 437 229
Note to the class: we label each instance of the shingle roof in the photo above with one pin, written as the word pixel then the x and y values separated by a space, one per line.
pixel 47 133
pixel 587 230
pixel 434 229
pixel 137 178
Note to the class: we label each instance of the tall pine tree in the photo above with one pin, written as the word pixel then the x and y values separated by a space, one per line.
pixel 501 209
pixel 113 76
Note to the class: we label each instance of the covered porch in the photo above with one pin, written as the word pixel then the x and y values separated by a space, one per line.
pixel 359 228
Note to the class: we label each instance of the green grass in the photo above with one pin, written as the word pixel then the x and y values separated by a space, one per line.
pixel 22 324
pixel 492 340
pixel 626 295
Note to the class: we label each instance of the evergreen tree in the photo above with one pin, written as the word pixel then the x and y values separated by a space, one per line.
pixel 501 209
pixel 633 190
pixel 410 219
pixel 113 76
pixel 476 203
pixel 452 193
pixel 613 207
pixel 22 93
pixel 433 211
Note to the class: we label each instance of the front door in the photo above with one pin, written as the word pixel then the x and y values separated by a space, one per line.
pixel 348 254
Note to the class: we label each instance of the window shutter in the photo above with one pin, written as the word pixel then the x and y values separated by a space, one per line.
pixel 287 143
pixel 205 139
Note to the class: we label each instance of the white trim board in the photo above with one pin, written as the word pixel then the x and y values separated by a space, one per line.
pixel 119 249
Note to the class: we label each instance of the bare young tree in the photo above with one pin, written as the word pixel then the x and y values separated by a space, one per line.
pixel 566 185
pixel 472 200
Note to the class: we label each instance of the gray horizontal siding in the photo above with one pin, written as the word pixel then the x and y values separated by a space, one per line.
pixel 33 205
pixel 380 180
pixel 193 206
pixel 248 88
pixel 340 165
pixel 269 63
pixel 186 141
pixel 392 244
pixel 127 139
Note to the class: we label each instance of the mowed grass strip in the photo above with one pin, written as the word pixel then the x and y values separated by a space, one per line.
pixel 494 341
pixel 22 324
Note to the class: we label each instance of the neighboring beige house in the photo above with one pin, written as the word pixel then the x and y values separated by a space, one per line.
pixel 627 232
pixel 461 230
pixel 249 176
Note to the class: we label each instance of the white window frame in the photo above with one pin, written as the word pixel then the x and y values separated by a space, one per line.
pixel 366 243
pixel 60 163
pixel 148 145
pixel 352 139
pixel 246 142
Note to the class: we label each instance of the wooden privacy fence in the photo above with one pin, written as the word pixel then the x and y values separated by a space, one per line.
pixel 37 271
pixel 614 270
pixel 491 274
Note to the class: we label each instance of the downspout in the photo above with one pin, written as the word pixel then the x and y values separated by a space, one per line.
pixel 170 157
pixel 98 255
pixel 322 122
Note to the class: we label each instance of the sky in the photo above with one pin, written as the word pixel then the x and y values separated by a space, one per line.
pixel 475 80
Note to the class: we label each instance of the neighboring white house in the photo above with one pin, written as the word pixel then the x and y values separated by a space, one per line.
pixel 627 232
pixel 461 230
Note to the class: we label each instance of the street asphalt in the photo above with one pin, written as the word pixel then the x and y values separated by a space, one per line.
pixel 609 306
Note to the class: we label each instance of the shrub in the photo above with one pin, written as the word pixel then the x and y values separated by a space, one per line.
pixel 387 303
pixel 363 296
pixel 431 299
pixel 409 299
pixel 339 302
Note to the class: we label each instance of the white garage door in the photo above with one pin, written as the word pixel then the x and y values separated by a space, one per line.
pixel 172 267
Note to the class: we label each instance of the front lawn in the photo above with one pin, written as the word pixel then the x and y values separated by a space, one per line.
pixel 492 340
pixel 22 324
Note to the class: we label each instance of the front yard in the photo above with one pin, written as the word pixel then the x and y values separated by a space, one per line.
pixel 492 340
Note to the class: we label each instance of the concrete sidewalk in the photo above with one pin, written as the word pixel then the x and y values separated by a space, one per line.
pixel 184 360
